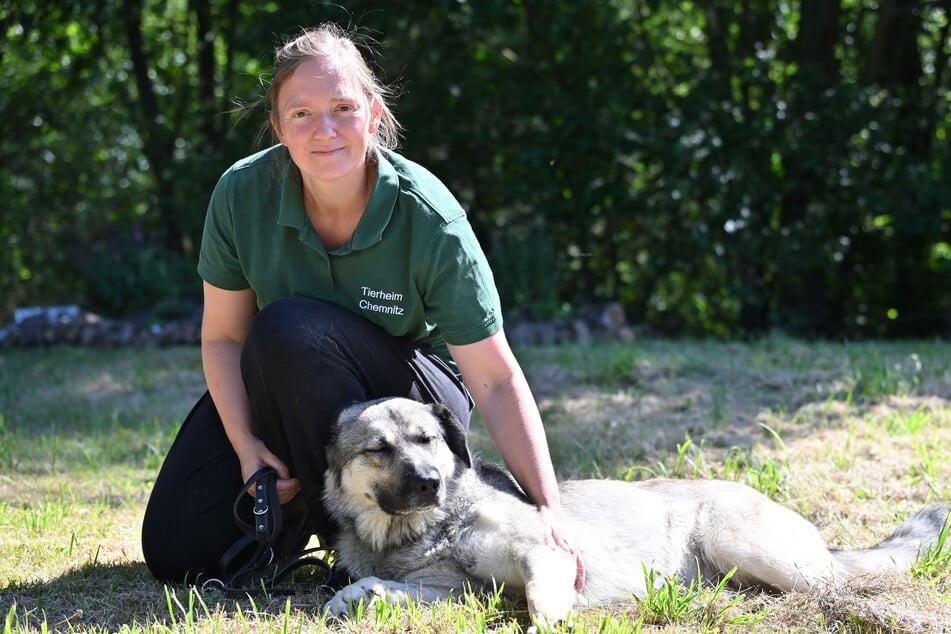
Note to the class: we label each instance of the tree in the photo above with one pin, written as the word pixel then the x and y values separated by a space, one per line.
pixel 718 167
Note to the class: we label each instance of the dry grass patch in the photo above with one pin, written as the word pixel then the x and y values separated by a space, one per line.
pixel 856 437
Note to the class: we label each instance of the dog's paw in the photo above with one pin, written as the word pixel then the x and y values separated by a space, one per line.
pixel 549 575
pixel 366 590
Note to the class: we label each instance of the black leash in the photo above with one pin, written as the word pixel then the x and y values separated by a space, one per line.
pixel 268 514
pixel 263 569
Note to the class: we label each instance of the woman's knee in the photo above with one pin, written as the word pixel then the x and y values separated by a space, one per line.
pixel 286 329
pixel 288 320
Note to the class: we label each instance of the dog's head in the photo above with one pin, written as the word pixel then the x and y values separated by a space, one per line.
pixel 394 454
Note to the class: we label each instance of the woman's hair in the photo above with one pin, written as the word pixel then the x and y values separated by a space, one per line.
pixel 329 41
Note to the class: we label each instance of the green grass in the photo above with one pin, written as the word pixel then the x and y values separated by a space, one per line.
pixel 669 602
pixel 855 436
pixel 936 559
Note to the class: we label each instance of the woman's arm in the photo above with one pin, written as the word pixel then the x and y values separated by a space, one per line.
pixel 501 392
pixel 225 321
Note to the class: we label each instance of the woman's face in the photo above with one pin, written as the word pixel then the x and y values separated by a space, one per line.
pixel 325 121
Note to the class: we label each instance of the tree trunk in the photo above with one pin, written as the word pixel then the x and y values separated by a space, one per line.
pixel 205 46
pixel 894 62
pixel 803 292
pixel 893 58
pixel 157 144
pixel 815 42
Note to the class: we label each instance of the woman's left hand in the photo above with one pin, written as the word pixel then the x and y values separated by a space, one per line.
pixel 556 538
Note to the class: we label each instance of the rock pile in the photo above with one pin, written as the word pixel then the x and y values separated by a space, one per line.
pixel 71 325
pixel 590 323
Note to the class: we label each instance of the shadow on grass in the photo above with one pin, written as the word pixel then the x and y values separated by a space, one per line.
pixel 610 408
pixel 113 597
pixel 106 596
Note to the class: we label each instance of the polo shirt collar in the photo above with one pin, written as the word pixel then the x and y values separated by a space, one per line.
pixel 380 207
pixel 376 216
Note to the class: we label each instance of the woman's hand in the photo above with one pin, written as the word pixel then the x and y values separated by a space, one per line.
pixel 555 537
pixel 254 455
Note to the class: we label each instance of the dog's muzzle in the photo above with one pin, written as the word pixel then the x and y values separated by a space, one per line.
pixel 418 490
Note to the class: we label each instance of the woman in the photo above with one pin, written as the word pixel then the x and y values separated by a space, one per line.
pixel 334 271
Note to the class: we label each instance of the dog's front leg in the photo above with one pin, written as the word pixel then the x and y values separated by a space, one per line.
pixel 549 576
pixel 371 589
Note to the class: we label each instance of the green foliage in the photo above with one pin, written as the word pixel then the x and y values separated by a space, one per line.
pixel 719 170
pixel 936 558
pixel 526 273
pixel 687 464
pixel 767 477
pixel 908 424
pixel 137 279
pixel 668 601
pixel 8 457
pixel 877 378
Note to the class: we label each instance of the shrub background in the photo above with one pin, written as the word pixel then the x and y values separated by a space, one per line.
pixel 719 168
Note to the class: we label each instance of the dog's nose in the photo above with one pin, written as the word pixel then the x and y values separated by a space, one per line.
pixel 426 483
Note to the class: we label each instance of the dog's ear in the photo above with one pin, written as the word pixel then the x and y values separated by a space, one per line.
pixel 330 455
pixel 342 416
pixel 453 432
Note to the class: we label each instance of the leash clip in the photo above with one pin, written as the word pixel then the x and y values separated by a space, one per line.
pixel 266 510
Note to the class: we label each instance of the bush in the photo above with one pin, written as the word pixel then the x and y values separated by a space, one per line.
pixel 129 279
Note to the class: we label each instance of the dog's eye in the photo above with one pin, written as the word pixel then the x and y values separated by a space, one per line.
pixel 425 440
pixel 377 449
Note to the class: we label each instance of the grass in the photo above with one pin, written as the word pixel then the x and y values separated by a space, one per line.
pixel 855 436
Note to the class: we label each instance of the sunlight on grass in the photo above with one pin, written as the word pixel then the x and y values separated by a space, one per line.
pixel 936 559
pixel 854 436
pixel 707 606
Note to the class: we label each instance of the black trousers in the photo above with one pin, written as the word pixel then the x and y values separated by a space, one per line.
pixel 303 362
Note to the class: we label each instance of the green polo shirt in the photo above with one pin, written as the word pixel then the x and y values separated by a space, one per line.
pixel 413 265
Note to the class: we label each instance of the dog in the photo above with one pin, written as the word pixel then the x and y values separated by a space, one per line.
pixel 421 519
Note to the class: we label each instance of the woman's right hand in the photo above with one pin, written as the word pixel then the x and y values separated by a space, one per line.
pixel 254 455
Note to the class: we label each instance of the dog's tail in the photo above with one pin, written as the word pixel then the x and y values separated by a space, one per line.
pixel 922 531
